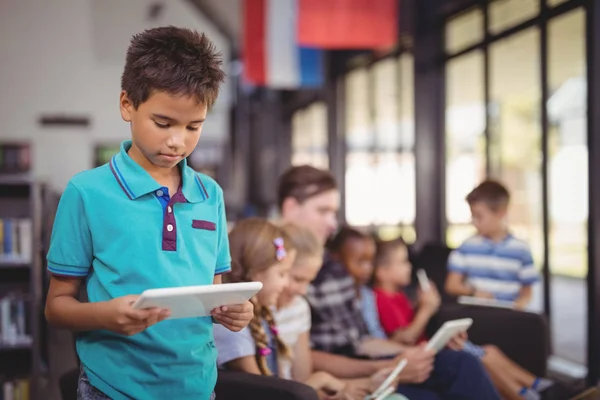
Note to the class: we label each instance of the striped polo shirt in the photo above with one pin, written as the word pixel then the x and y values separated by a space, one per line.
pixel 501 268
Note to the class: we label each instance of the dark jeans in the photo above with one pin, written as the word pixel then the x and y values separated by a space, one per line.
pixel 457 376
pixel 85 391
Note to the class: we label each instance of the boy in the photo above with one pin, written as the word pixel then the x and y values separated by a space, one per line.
pixel 492 264
pixel 146 220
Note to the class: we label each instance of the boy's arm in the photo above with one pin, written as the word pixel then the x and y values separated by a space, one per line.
pixel 69 261
pixel 524 297
pixel 415 330
pixel 455 285
pixel 345 367
pixel 528 275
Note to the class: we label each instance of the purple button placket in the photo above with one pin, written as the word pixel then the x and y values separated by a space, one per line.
pixel 169 234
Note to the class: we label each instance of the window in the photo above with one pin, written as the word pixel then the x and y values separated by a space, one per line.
pixel 552 3
pixel 515 132
pixel 465 141
pixel 568 180
pixel 380 167
pixel 309 136
pixel 505 14
pixel 464 30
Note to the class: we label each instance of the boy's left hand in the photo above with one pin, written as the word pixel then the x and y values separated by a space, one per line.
pixel 235 317
pixel 458 342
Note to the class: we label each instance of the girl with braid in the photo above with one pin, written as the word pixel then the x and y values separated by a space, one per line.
pixel 261 251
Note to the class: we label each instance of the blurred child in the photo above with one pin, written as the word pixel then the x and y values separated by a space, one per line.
pixel 262 252
pixel 294 319
pixel 406 324
pixel 492 264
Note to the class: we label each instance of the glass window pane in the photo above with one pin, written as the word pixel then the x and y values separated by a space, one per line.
pixel 464 30
pixel 465 140
pixel 552 3
pixel 407 102
pixel 385 74
pixel 360 186
pixel 505 14
pixel 309 136
pixel 359 126
pixel 515 132
pixel 568 182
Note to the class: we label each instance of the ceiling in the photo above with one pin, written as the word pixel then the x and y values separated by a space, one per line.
pixel 226 15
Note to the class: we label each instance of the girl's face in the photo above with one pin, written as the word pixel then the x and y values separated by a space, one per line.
pixel 302 274
pixel 398 268
pixel 358 255
pixel 274 280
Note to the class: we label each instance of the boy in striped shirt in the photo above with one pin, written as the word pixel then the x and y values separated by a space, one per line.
pixel 493 264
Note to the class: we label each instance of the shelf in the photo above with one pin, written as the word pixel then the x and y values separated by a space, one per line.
pixel 5 264
pixel 15 347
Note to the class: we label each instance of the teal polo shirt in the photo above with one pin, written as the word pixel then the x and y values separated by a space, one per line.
pixel 122 232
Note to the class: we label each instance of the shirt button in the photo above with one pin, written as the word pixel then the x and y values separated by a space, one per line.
pixel 159 193
pixel 169 227
pixel 169 210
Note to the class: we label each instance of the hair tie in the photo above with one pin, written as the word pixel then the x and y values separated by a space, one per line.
pixel 274 330
pixel 265 351
pixel 280 251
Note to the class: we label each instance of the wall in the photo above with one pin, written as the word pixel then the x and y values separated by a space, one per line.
pixel 67 56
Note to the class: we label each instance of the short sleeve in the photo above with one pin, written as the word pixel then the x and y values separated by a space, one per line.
pixel 232 345
pixel 528 275
pixel 304 315
pixel 71 251
pixel 223 254
pixel 457 262
pixel 370 313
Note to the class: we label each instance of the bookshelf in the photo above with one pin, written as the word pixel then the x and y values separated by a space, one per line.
pixel 21 271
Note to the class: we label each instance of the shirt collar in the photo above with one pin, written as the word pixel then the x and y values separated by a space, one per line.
pixel 136 182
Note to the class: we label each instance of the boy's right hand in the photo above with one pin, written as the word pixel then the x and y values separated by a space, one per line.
pixel 430 299
pixel 483 295
pixel 121 317
pixel 419 364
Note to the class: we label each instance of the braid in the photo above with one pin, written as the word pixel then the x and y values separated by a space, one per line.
pixel 260 337
pixel 282 349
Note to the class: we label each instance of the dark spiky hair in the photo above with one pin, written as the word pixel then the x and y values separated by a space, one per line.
pixel 175 60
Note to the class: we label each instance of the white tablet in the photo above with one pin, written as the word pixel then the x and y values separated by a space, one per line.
pixel 477 301
pixel 447 331
pixel 387 387
pixel 423 280
pixel 197 301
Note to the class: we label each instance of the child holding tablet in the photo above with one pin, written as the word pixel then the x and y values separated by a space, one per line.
pixel 146 220
pixel 404 323
pixel 263 252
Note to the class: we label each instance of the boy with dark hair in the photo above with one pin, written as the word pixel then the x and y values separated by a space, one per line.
pixel 309 197
pixel 146 220
pixel 493 264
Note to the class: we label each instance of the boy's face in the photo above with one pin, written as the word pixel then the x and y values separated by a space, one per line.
pixel 317 213
pixel 358 256
pixel 488 222
pixel 398 267
pixel 165 128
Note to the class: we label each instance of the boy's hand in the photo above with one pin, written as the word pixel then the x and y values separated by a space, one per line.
pixel 430 299
pixel 457 343
pixel 419 364
pixel 483 295
pixel 121 317
pixel 235 317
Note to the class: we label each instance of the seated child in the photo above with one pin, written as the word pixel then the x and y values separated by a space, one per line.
pixel 454 374
pixel 492 264
pixel 294 320
pixel 405 323
pixel 261 251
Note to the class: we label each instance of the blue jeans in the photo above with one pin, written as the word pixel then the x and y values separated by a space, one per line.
pixel 456 376
pixel 85 390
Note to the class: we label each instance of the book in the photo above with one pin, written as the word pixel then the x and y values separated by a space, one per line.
pixel 16 240
pixel 13 322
